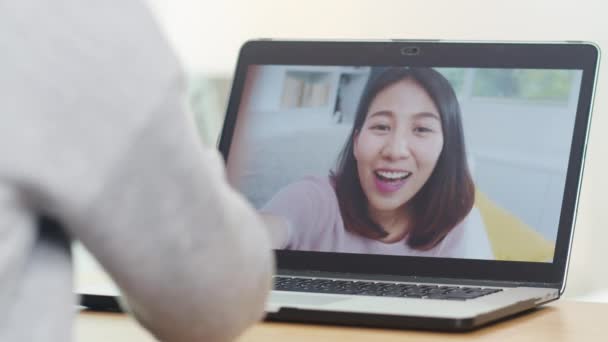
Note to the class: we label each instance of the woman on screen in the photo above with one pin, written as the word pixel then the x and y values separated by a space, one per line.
pixel 401 185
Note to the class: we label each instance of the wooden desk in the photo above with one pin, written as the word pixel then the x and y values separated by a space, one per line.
pixel 562 321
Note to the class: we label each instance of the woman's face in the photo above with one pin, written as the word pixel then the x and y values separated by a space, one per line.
pixel 398 145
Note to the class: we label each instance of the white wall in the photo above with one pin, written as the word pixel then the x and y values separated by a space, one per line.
pixel 519 151
pixel 268 97
pixel 207 35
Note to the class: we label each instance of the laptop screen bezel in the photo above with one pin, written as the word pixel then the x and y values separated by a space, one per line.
pixel 564 55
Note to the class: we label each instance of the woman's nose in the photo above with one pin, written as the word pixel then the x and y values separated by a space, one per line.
pixel 396 148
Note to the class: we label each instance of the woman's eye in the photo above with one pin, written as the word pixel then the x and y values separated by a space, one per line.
pixel 380 127
pixel 421 129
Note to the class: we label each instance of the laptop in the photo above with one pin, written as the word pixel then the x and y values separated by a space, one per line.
pixel 412 184
pixel 408 184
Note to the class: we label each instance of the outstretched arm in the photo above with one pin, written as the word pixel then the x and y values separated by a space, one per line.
pixel 277 229
pixel 95 109
pixel 191 257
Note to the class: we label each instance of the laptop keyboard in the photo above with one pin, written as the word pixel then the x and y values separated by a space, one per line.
pixel 381 289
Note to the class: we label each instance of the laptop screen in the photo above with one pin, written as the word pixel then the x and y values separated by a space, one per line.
pixel 465 163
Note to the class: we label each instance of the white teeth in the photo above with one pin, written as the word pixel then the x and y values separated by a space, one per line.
pixel 393 174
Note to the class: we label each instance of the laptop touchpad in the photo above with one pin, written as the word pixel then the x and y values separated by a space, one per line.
pixel 281 299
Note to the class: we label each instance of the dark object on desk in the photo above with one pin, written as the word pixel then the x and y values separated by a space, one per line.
pixel 100 303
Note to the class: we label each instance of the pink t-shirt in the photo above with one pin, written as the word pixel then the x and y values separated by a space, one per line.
pixel 311 211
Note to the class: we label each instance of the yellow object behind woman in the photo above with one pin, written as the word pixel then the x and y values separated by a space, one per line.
pixel 511 239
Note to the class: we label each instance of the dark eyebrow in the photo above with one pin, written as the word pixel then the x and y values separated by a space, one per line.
pixel 427 115
pixel 382 113
pixel 420 115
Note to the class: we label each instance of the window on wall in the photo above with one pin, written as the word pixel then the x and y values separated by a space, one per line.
pixel 532 85
pixel 528 85
pixel 455 76
pixel 303 89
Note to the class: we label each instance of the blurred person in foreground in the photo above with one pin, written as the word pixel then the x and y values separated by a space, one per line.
pixel 95 136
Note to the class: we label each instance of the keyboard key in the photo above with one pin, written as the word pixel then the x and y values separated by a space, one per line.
pixel 384 289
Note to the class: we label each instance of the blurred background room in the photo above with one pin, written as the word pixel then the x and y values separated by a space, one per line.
pixel 208 34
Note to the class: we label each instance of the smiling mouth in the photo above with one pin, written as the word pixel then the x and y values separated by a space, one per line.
pixel 392 176
pixel 388 182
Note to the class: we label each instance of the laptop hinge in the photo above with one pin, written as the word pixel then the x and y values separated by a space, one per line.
pixel 414 279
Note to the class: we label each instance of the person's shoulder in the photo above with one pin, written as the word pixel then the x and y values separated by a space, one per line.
pixel 473 223
pixel 322 182
pixel 475 237
pixel 318 191
pixel 470 226
pixel 316 184
pixel 468 239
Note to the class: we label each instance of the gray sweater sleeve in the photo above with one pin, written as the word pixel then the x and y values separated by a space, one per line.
pixel 188 252
pixel 95 134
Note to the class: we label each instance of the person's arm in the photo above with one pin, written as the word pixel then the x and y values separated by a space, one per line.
pixel 301 213
pixel 278 230
pixel 191 257
pixel 115 158
pixel 98 139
